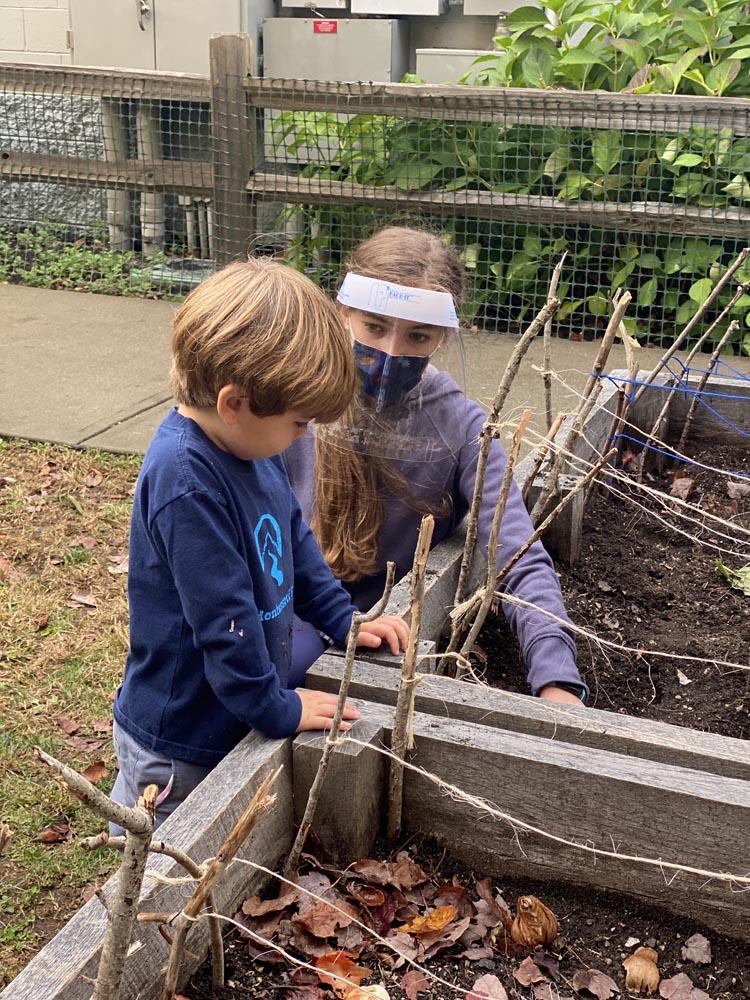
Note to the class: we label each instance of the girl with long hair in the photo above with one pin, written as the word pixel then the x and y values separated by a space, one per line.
pixel 409 445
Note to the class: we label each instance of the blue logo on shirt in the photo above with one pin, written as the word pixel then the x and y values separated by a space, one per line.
pixel 269 545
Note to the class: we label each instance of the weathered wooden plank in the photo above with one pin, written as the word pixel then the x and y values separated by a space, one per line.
pixel 92 81
pixel 348 815
pixel 726 412
pixel 638 216
pixel 385 659
pixel 658 113
pixel 199 827
pixel 175 176
pixel 624 734
pixel 634 806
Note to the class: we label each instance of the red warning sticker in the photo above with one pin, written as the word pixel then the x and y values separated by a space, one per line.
pixel 325 27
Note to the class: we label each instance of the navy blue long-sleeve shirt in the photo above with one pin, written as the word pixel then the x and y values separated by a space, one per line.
pixel 220 559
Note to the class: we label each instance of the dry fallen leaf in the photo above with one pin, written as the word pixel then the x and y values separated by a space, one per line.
pixel 118 564
pixel 405 873
pixel 87 543
pixel 528 973
pixel 67 724
pixel 101 725
pixel 367 993
pixel 322 917
pixel 81 600
pixel 736 491
pixel 487 987
pixel 83 743
pixel 58 833
pixel 365 894
pixel 93 479
pixel 680 987
pixel 413 982
pixel 642 975
pixel 595 982
pixel 431 922
pixel 697 949
pixel 336 964
pixel 682 487
pixel 96 772
pixel 535 923
pixel 254 906
pixel 683 678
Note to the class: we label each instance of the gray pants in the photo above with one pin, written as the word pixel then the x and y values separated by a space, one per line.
pixel 140 767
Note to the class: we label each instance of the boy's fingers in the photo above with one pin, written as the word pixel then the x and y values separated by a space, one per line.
pixel 368 639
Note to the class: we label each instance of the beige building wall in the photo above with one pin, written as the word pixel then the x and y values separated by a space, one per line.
pixel 34 31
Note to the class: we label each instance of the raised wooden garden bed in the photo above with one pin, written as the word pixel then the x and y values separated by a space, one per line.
pixel 583 796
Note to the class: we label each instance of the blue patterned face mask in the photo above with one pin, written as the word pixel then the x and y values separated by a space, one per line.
pixel 387 378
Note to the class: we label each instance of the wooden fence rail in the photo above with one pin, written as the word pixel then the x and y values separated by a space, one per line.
pixel 238 177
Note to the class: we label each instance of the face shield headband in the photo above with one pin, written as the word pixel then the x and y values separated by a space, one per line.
pixel 419 305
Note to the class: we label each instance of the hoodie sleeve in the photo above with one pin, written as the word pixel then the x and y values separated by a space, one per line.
pixel 547 645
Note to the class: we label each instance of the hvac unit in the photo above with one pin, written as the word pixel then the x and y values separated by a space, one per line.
pixel 445 65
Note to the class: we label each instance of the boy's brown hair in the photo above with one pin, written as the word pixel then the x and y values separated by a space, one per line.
pixel 266 328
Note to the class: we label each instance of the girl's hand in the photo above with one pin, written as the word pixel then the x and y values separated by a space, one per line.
pixel 319 708
pixel 394 630
pixel 560 695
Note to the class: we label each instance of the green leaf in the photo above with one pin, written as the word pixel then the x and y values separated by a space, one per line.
pixel 647 292
pixel 700 290
pixel 557 163
pixel 606 148
pixel 415 175
pixel 524 18
pixel 738 187
pixel 689 185
pixel 671 151
pixel 738 579
pixel 538 70
pixel 688 160
pixel 721 76
pixel 574 184
pixel 580 57
pixel 597 304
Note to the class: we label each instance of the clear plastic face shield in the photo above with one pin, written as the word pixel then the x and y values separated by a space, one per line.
pixel 409 356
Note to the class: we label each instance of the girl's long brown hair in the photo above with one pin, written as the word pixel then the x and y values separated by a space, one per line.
pixel 350 486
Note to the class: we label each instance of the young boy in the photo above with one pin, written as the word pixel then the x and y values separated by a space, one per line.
pixel 220 558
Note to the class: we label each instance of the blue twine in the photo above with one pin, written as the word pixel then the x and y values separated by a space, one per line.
pixel 671 453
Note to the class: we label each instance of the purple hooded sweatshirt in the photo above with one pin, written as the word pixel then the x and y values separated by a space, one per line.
pixel 454 423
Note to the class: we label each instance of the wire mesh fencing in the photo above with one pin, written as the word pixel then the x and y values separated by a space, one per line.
pixel 106 179
pixel 140 183
pixel 646 193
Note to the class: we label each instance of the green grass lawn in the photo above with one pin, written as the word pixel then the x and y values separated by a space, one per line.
pixel 64 522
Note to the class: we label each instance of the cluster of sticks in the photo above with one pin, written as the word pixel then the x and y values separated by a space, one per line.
pixel 121 904
pixel 552 458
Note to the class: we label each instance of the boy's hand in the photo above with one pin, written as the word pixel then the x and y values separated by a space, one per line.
pixel 560 695
pixel 394 630
pixel 319 708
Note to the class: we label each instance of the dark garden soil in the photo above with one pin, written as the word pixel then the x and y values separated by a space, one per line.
pixel 641 584
pixel 597 931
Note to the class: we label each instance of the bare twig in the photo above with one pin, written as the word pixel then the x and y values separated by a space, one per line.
pixel 488 433
pixel 122 904
pixel 488 591
pixel 626 390
pixel 401 739
pixel 683 335
pixel 194 870
pixel 588 399
pixel 547 355
pixel 730 332
pixel 555 513
pixel 541 453
pixel 239 833
pixel 358 619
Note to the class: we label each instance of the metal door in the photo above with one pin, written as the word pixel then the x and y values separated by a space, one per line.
pixel 183 28
pixel 115 33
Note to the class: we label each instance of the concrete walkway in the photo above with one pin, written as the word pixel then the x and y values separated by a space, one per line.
pixel 93 370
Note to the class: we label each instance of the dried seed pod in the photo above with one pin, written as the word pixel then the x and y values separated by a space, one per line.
pixel 535 924
pixel 642 976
